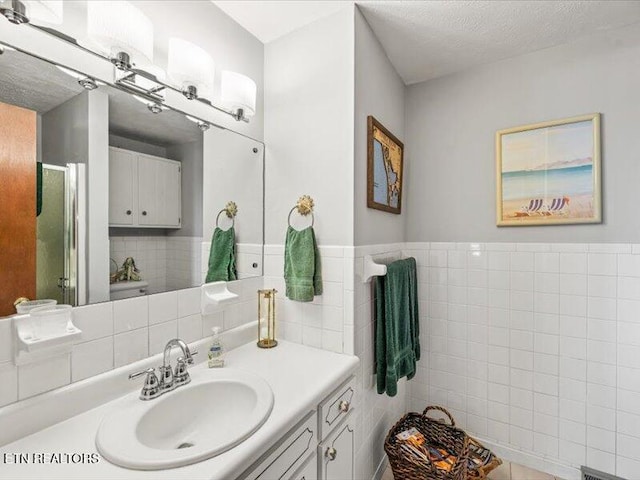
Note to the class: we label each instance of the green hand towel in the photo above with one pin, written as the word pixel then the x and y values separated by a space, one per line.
pixel 222 256
pixel 302 272
pixel 397 325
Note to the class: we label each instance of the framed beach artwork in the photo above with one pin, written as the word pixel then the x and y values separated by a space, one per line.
pixel 384 168
pixel 549 173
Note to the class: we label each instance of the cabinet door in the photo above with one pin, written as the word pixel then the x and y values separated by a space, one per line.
pixel 336 453
pixel 159 192
pixel 148 173
pixel 122 181
pixel 309 471
pixel 169 199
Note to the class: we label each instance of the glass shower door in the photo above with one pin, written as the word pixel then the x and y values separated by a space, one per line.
pixel 55 253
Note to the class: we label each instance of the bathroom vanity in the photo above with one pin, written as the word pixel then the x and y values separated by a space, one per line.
pixel 309 433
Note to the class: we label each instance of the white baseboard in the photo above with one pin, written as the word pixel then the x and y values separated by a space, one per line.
pixel 532 461
pixel 382 466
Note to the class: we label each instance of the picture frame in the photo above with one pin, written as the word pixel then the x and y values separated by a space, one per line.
pixel 549 173
pixel 385 166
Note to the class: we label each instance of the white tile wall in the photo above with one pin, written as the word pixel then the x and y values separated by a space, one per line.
pixel 150 254
pixel 377 413
pixel 118 333
pixel 166 262
pixel 248 260
pixel 323 322
pixel 184 262
pixel 536 346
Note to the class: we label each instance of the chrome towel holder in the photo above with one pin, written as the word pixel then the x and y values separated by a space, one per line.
pixel 231 210
pixel 304 205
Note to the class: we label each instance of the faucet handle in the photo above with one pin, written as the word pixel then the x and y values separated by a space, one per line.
pixel 166 378
pixel 191 354
pixel 151 387
pixel 181 376
pixel 148 371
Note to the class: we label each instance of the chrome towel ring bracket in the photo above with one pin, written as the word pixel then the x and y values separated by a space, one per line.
pixel 231 210
pixel 304 206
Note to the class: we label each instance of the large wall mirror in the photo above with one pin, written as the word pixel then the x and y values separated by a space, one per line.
pixel 106 196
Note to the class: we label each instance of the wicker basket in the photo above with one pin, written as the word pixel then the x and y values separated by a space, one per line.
pixel 480 473
pixel 436 433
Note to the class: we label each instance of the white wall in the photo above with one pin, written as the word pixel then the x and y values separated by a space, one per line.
pixel 98 197
pixel 232 171
pixel 309 106
pixel 451 124
pixel 77 131
pixel 64 131
pixel 136 145
pixel 191 156
pixel 379 91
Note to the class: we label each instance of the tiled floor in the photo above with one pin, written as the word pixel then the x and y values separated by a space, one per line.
pixel 506 471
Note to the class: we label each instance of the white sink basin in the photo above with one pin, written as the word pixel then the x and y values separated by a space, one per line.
pixel 190 424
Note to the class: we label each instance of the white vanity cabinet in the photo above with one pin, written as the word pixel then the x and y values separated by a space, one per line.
pixel 144 190
pixel 337 452
pixel 321 446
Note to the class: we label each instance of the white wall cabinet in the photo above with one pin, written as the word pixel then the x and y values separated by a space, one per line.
pixel 320 447
pixel 144 191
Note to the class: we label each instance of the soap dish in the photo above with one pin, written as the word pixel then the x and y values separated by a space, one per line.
pixel 213 294
pixel 44 331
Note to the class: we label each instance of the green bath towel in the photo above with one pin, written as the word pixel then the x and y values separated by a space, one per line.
pixel 222 256
pixel 302 272
pixel 397 325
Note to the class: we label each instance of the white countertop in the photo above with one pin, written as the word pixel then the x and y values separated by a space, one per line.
pixel 299 376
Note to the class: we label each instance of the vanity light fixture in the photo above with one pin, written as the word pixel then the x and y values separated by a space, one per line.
pixel 190 68
pixel 6 48
pixel 121 32
pixel 25 11
pixel 152 105
pixel 239 95
pixel 150 84
pixel 84 81
pixel 15 11
pixel 202 125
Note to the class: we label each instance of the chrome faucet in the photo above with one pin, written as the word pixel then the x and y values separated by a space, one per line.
pixel 169 379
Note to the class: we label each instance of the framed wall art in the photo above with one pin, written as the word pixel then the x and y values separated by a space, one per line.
pixel 384 168
pixel 549 173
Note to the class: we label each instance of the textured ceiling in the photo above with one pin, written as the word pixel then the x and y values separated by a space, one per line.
pixel 37 85
pixel 428 39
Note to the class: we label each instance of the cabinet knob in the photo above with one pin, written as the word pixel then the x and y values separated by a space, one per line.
pixel 331 453
pixel 344 406
pixel 128 212
pixel 144 213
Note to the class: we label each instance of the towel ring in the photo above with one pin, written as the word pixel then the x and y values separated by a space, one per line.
pixel 231 209
pixel 304 205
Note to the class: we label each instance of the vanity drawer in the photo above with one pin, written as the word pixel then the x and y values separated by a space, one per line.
pixel 309 471
pixel 335 407
pixel 290 453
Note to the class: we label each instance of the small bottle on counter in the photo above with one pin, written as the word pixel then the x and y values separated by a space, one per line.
pixel 216 351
